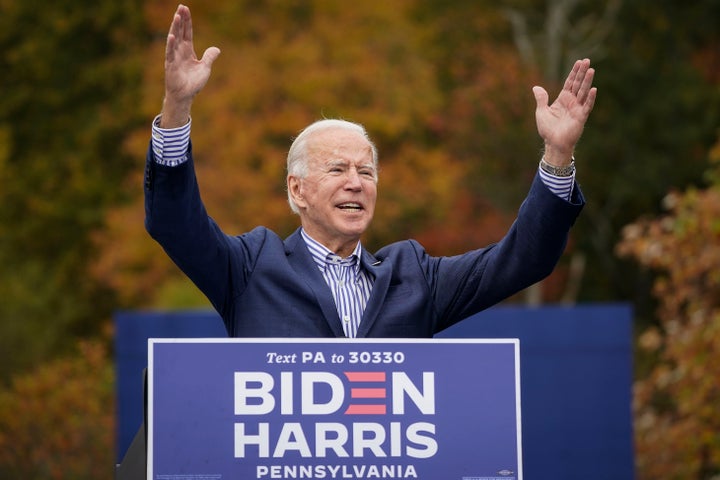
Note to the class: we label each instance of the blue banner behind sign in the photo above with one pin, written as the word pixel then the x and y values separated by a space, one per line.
pixel 334 409
pixel 575 384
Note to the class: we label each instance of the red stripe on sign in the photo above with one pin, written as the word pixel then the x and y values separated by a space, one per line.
pixel 365 376
pixel 366 410
pixel 368 392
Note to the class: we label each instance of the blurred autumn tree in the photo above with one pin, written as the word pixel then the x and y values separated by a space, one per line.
pixel 56 422
pixel 283 65
pixel 69 82
pixel 655 118
pixel 445 89
pixel 676 416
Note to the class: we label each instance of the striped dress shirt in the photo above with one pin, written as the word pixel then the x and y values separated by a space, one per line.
pixel 349 283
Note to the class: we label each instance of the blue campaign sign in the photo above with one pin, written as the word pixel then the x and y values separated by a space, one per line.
pixel 346 409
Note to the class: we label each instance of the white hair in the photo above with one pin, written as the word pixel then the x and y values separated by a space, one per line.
pixel 297 159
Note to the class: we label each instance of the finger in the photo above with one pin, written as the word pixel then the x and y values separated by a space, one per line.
pixel 541 97
pixel 582 70
pixel 170 48
pixel 173 35
pixel 187 24
pixel 210 55
pixel 178 27
pixel 176 24
pixel 590 102
pixel 570 80
pixel 586 85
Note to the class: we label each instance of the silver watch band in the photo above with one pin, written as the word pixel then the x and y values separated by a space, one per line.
pixel 565 171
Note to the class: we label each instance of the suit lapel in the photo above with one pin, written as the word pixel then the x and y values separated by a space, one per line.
pixel 382 271
pixel 299 258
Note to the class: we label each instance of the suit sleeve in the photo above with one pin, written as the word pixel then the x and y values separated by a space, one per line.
pixel 176 218
pixel 465 284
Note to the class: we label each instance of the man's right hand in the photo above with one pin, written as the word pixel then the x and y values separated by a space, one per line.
pixel 185 75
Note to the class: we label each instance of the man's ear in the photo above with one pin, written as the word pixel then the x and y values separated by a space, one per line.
pixel 294 185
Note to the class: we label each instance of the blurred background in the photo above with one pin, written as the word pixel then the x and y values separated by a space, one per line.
pixel 444 88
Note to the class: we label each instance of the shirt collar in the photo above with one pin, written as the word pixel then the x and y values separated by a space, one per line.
pixel 322 255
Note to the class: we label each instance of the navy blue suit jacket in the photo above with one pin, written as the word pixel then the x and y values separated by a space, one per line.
pixel 264 286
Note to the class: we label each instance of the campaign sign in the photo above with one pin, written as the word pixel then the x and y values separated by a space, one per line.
pixel 221 409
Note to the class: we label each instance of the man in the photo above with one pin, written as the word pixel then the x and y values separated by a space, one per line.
pixel 320 281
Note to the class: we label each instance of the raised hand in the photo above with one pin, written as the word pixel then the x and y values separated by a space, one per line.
pixel 561 124
pixel 185 75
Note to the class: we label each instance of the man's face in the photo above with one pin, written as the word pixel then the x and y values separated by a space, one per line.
pixel 337 197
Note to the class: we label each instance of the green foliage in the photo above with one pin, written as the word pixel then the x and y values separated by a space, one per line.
pixel 653 124
pixel 486 121
pixel 657 108
pixel 69 88
pixel 56 422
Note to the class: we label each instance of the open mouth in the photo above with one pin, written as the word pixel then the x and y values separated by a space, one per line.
pixel 350 207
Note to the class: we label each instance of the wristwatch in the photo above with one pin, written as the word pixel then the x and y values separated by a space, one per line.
pixel 565 171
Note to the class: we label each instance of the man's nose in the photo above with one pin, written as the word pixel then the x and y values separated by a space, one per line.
pixel 352 179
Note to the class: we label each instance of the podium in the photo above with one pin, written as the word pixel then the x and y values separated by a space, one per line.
pixel 134 464
pixel 327 408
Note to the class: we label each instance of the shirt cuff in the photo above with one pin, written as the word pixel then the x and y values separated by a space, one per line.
pixel 560 186
pixel 170 145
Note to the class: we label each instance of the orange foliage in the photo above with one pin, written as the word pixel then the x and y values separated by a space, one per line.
pixel 677 420
pixel 58 421
pixel 286 64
